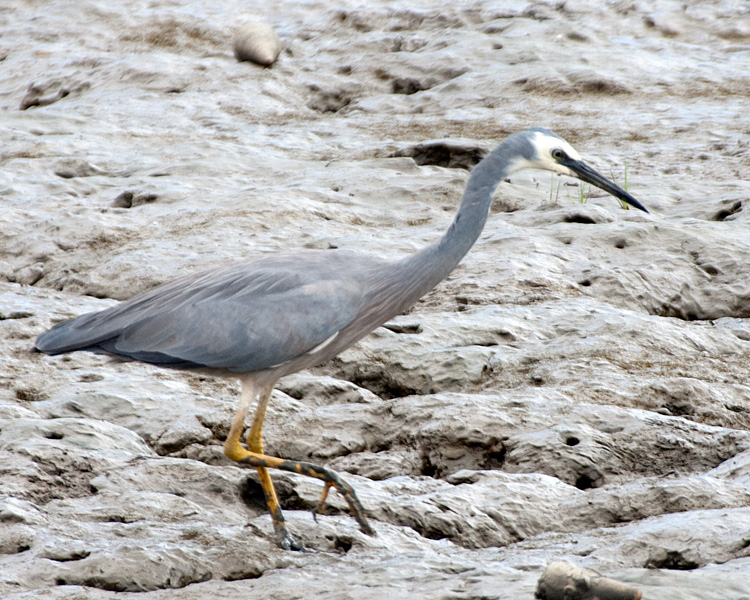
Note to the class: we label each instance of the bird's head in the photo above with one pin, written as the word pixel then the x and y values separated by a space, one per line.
pixel 542 149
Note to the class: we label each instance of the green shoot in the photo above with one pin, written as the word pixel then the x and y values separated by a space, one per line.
pixel 583 193
pixel 624 185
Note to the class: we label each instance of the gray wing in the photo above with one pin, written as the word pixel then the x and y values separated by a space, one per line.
pixel 246 317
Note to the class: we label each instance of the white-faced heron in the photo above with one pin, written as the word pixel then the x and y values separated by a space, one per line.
pixel 263 319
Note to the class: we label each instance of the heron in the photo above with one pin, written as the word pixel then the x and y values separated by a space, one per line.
pixel 259 320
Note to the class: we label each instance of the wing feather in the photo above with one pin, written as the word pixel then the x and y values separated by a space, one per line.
pixel 246 317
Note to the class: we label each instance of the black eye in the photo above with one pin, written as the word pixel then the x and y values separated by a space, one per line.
pixel 558 154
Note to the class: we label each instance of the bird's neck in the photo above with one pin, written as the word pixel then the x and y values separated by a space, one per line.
pixel 428 267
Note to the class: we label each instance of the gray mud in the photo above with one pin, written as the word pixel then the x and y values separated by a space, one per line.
pixel 576 390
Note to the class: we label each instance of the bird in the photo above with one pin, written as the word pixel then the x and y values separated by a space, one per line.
pixel 262 319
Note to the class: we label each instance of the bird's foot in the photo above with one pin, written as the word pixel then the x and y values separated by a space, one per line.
pixel 287 542
pixel 263 462
pixel 281 537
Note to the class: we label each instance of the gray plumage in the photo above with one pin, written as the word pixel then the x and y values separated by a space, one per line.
pixel 267 318
pixel 265 313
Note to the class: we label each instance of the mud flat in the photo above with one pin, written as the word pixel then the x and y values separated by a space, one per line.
pixel 577 390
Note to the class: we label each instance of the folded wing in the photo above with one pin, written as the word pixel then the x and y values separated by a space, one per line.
pixel 245 317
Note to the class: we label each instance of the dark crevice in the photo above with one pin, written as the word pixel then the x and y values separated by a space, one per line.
pixel 485 343
pixel 73 556
pixel 428 469
pixel 673 560
pixel 679 408
pixel 410 85
pixel 579 218
pixel 252 495
pixel 343 544
pixel 444 154
pixel 496 457
pixel 431 533
pixel 407 328
pixel 728 211
pixel 437 461
pixel 382 385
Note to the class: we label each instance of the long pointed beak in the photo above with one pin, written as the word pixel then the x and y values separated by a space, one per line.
pixel 585 173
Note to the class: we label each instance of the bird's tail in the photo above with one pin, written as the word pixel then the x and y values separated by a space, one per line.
pixel 76 334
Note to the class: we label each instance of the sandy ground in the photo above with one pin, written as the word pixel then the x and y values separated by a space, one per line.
pixel 576 390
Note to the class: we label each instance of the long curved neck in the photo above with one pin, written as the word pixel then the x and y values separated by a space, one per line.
pixel 428 267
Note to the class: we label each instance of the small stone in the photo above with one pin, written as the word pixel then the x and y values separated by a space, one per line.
pixel 130 199
pixel 258 43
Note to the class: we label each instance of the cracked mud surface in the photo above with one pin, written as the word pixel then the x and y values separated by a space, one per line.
pixel 577 389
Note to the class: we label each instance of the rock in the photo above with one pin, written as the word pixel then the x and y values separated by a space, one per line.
pixel 561 580
pixel 29 275
pixel 72 167
pixel 129 199
pixel 257 42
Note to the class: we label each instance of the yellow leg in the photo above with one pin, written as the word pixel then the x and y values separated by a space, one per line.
pixel 254 457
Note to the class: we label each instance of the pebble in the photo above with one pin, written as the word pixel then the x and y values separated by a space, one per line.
pixel 258 43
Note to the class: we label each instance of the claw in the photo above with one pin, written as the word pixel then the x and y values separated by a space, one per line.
pixel 287 542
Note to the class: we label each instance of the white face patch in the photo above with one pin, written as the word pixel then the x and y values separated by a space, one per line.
pixel 544 145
